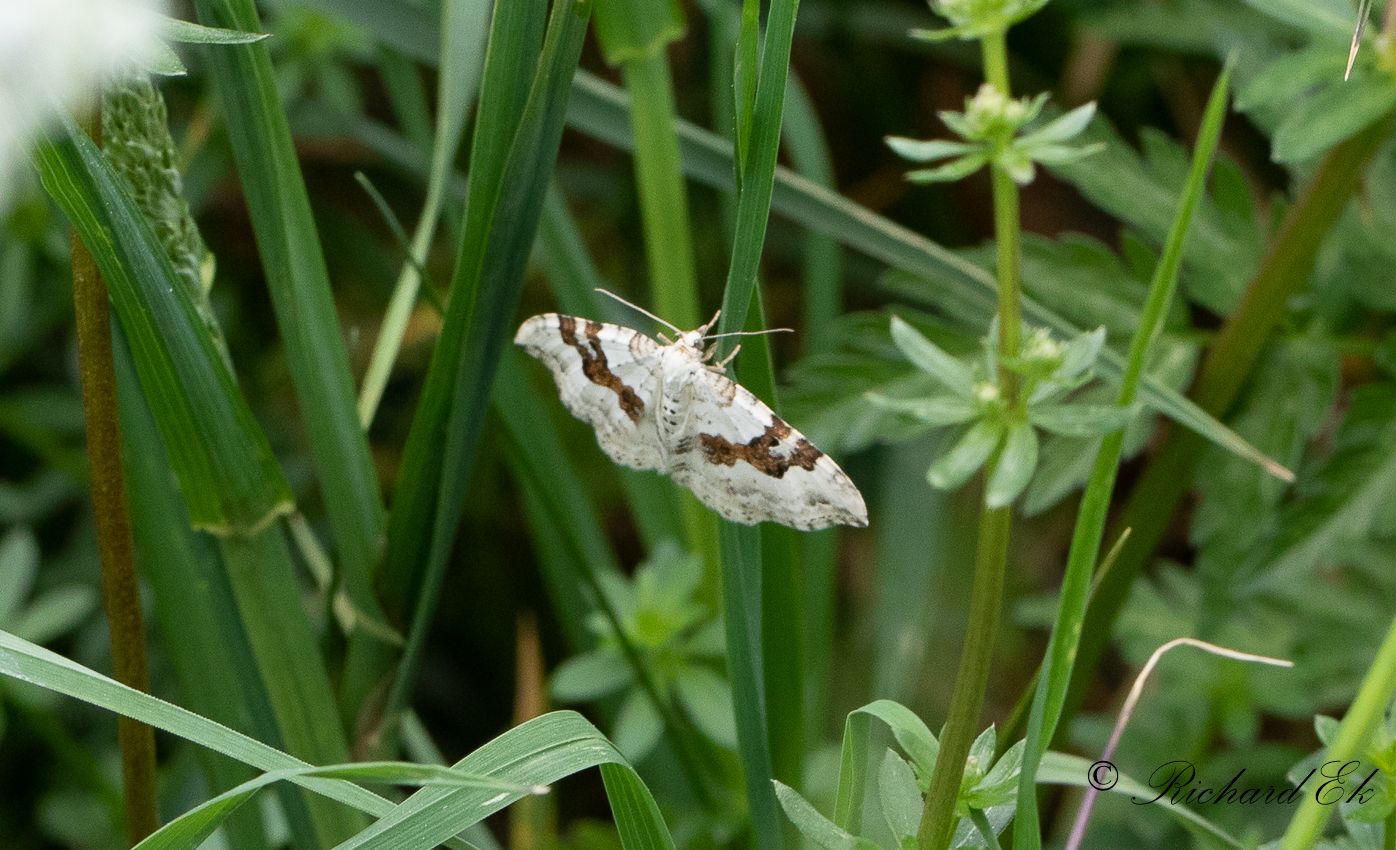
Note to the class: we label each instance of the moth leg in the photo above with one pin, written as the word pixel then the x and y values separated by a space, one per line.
pixel 722 367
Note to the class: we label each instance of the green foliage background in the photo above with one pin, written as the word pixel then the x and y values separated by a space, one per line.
pixel 470 539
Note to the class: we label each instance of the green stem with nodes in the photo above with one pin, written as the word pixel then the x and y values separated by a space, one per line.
pixel 986 600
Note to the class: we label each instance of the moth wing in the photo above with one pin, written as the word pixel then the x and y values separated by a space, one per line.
pixel 749 465
pixel 606 376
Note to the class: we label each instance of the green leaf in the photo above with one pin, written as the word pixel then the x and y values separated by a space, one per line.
pixel 1062 154
pixel 1290 77
pixel 630 30
pixel 958 465
pixel 911 734
pixel 1015 467
pixel 1060 129
pixel 638 726
pixel 815 826
pixel 19 563
pixel 54 613
pixel 925 151
pixel 1081 420
pixel 173 29
pixel 1223 249
pixel 1333 115
pixel 538 752
pixel 1329 20
pixel 708 701
pixel 299 283
pixel 589 676
pixel 230 480
pixel 937 412
pixel 930 358
pixel 515 146
pixel 190 829
pixel 462 58
pixel 900 796
pixel 956 169
pixel 1351 497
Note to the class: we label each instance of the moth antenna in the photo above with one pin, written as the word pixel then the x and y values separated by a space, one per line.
pixel 639 309
pixel 704 329
pixel 752 333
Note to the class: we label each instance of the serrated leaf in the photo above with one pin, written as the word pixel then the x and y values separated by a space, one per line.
pixel 933 360
pixel 1330 20
pixel 958 465
pixel 1081 420
pixel 1333 115
pixel 1290 77
pixel 1015 467
pixel 925 150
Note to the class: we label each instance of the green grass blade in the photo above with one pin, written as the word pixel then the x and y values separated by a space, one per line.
pixel 208 650
pixel 190 829
pixel 298 280
pixel 500 230
pixel 654 502
pixel 228 476
pixel 540 463
pixel 758 171
pixel 600 110
pixel 263 580
pixel 538 752
pixel 463 41
pixel 741 592
pixel 22 660
pixel 1086 539
pixel 576 552
pixel 823 260
pixel 755 623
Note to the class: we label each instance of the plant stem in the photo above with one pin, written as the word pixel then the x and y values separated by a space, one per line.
pixel 972 679
pixel 663 194
pixel 1362 717
pixel 120 591
pixel 962 724
pixel 668 246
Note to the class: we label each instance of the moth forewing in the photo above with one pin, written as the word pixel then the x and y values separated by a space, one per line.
pixel 666 408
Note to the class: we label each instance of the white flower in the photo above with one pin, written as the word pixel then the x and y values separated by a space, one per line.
pixel 52 52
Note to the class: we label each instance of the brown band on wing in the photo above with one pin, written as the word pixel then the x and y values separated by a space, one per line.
pixel 718 449
pixel 594 365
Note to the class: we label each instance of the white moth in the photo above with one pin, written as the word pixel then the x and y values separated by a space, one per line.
pixel 665 407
